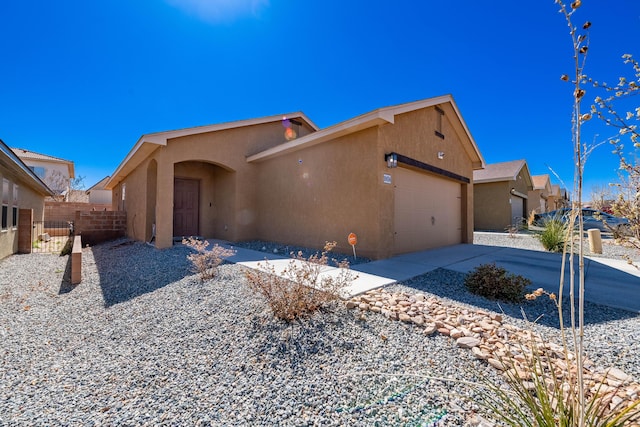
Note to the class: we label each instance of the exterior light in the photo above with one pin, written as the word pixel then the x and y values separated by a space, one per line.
pixel 391 159
pixel 441 155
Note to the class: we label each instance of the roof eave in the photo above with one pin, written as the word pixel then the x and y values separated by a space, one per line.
pixel 366 121
pixel 150 142
pixel 21 169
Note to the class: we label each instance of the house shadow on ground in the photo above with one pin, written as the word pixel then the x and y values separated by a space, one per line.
pixel 129 269
pixel 450 284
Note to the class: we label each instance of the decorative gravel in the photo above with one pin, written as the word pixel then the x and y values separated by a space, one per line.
pixel 141 341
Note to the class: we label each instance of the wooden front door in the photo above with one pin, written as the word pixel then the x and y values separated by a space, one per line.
pixel 186 205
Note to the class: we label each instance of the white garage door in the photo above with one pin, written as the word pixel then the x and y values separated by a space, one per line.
pixel 428 211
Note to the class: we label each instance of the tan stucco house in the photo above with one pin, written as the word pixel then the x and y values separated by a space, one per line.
pixel 539 196
pixel 500 192
pixel 558 199
pixel 399 177
pixel 22 195
pixel 53 171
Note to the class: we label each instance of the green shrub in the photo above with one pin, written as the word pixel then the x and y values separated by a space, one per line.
pixel 493 282
pixel 553 235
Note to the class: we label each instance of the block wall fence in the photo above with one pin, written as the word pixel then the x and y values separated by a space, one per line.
pixel 65 211
pixel 99 226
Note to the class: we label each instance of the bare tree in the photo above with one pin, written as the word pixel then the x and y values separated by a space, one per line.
pixel 65 188
pixel 601 197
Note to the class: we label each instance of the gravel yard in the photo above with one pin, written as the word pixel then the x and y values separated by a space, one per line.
pixel 141 341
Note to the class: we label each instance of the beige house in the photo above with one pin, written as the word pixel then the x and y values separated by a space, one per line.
pixel 53 171
pixel 22 195
pixel 98 194
pixel 558 198
pixel 500 192
pixel 539 201
pixel 399 177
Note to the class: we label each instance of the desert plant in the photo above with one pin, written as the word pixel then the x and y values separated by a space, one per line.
pixel 531 218
pixel 554 234
pixel 299 289
pixel 493 282
pixel 205 262
pixel 542 392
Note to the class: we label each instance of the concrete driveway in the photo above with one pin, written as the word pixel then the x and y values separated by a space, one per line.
pixel 609 282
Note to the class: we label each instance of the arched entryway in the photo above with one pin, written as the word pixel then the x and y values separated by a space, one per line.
pixel 203 200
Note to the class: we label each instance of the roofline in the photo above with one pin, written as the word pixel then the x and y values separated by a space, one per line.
pixel 4 148
pixel 51 159
pixel 522 163
pixel 94 185
pixel 373 118
pixel 161 138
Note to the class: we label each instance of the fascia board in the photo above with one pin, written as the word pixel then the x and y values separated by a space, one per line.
pixel 345 128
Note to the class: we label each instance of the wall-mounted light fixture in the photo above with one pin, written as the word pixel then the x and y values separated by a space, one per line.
pixel 441 155
pixel 391 159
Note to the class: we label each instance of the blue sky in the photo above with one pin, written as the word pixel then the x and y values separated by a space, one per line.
pixel 83 80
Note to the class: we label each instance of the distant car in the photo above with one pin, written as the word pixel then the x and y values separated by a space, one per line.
pixel 591 219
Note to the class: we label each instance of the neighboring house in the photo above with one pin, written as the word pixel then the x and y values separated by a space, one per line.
pixel 98 194
pixel 541 196
pixel 22 195
pixel 558 199
pixel 55 172
pixel 500 192
pixel 399 177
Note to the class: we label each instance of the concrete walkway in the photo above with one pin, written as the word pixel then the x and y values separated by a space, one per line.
pixel 609 282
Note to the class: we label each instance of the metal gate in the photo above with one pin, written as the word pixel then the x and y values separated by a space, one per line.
pixel 51 236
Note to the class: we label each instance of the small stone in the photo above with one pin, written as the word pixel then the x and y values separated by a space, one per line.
pixel 430 329
pixel 376 309
pixel 444 331
pixel 404 317
pixel 364 306
pixel 393 315
pixel 418 320
pixel 479 354
pixel 351 304
pixel 467 342
pixel 496 317
pixel 496 364
pixel 618 374
pixel 456 333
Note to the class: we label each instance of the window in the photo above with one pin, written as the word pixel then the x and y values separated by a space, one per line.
pixel 5 203
pixel 440 113
pixel 39 171
pixel 15 206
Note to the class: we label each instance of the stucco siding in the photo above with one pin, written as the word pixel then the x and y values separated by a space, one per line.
pixel 492 210
pixel 27 199
pixel 323 193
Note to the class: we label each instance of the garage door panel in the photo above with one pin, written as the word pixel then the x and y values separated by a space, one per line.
pixel 427 211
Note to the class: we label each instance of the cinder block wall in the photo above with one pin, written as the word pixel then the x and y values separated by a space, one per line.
pixel 99 226
pixel 64 211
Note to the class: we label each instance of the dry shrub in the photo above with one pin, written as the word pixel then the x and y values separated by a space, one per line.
pixel 205 262
pixel 299 290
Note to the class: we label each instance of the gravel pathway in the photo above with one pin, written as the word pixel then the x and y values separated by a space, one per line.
pixel 143 342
